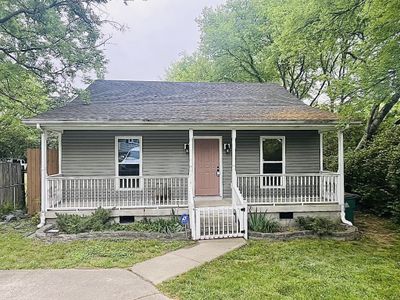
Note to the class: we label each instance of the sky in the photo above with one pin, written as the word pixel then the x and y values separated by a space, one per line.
pixel 158 32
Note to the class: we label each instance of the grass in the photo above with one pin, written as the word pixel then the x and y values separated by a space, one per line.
pixel 302 269
pixel 20 252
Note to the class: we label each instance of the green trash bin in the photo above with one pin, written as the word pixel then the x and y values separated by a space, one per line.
pixel 350 205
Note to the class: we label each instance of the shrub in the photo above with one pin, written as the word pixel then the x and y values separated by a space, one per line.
pixel 374 172
pixel 260 222
pixel 97 221
pixel 6 208
pixel 100 220
pixel 318 225
pixel 171 225
pixel 167 225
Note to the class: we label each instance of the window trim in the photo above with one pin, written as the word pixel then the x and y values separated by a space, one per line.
pixel 283 161
pixel 117 162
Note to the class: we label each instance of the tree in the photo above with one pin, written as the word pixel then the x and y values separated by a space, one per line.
pixel 341 53
pixel 380 68
pixel 192 68
pixel 233 40
pixel 54 40
pixel 44 46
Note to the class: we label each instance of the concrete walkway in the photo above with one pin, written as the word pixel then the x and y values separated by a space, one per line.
pixel 172 264
pixel 75 284
pixel 105 284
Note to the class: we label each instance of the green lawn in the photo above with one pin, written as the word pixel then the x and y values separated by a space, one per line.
pixel 20 252
pixel 301 269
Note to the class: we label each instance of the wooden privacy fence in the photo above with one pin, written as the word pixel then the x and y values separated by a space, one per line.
pixel 33 178
pixel 11 184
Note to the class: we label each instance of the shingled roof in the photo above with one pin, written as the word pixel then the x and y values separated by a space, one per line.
pixel 173 102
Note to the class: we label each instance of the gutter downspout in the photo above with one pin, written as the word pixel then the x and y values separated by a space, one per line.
pixel 341 177
pixel 42 186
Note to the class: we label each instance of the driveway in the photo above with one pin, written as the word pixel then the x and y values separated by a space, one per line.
pixel 75 284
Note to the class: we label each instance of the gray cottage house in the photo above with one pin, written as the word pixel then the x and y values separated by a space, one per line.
pixel 211 150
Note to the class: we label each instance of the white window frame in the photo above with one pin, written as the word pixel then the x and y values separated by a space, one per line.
pixel 117 162
pixel 283 161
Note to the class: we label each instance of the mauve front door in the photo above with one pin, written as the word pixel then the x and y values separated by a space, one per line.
pixel 207 167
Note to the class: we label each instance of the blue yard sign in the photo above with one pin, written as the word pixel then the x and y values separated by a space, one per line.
pixel 184 219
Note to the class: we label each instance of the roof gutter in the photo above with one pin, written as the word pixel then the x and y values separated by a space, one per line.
pixel 223 125
pixel 166 122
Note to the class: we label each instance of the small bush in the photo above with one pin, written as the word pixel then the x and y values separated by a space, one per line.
pixel 158 225
pixel 167 225
pixel 319 225
pixel 99 220
pixel 6 208
pixel 260 222
pixel 35 219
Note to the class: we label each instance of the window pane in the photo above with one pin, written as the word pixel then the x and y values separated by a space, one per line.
pixel 272 168
pixel 128 151
pixel 128 170
pixel 272 149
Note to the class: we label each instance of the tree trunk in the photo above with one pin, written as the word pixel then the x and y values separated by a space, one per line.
pixel 377 116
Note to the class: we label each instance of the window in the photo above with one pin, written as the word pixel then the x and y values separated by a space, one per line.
pixel 272 159
pixel 129 160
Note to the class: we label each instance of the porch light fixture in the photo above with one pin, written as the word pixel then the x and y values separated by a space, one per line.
pixel 227 148
pixel 186 148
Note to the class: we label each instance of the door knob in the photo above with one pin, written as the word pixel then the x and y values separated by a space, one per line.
pixel 217 173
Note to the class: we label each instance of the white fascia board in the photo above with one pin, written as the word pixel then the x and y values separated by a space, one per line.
pixel 90 125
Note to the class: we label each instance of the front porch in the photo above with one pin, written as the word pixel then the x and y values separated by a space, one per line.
pixel 90 192
pixel 218 216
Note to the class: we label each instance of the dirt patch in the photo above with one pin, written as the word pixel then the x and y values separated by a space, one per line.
pixel 379 230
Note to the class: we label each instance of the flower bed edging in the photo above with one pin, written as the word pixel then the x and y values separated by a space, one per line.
pixel 45 234
pixel 351 233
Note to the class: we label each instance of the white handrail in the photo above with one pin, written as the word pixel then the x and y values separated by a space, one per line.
pixel 298 188
pixel 240 207
pixel 107 177
pixel 87 192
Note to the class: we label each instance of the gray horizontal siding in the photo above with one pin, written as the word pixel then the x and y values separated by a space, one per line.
pixel 92 153
pixel 302 151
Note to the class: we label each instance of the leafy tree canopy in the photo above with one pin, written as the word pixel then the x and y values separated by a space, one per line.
pixel 341 54
pixel 45 47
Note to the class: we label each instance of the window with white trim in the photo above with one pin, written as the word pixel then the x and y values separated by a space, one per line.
pixel 129 160
pixel 272 159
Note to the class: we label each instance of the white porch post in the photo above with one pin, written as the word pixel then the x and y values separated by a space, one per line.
pixel 190 187
pixel 340 167
pixel 341 177
pixel 59 152
pixel 43 176
pixel 321 151
pixel 234 178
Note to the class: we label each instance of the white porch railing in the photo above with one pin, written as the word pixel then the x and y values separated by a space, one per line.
pixel 289 188
pixel 70 193
pixel 217 222
pixel 222 221
pixel 240 208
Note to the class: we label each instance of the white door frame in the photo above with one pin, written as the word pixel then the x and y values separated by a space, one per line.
pixel 203 137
